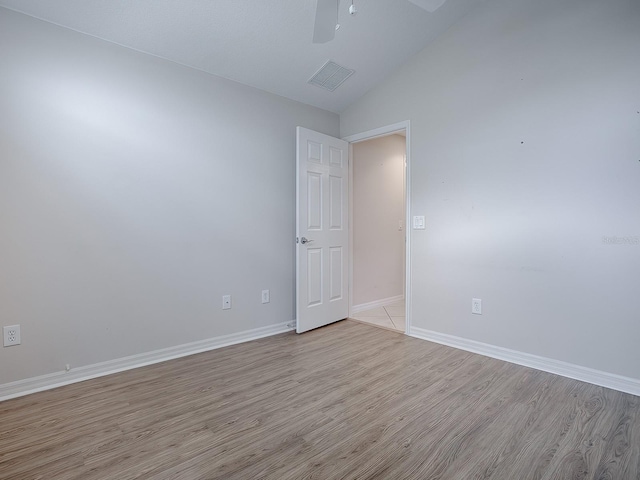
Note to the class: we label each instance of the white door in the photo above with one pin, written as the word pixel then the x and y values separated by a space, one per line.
pixel 322 246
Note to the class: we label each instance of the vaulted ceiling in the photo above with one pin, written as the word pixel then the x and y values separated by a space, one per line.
pixel 266 44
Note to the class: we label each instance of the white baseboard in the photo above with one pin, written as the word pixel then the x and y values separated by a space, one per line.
pixel 58 379
pixel 375 304
pixel 584 374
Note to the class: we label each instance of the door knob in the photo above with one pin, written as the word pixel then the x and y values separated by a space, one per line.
pixel 305 240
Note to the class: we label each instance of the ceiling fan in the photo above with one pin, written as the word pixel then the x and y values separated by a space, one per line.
pixel 326 22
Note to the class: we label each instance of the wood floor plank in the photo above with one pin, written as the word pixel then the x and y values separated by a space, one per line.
pixel 347 401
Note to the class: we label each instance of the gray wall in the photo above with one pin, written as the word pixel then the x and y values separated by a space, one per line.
pixel 525 153
pixel 134 193
pixel 378 203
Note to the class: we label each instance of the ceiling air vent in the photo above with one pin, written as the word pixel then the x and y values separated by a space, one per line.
pixel 330 76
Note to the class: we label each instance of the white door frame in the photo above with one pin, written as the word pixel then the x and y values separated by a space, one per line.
pixel 368 135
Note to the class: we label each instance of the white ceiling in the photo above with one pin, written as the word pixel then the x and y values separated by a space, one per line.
pixel 262 43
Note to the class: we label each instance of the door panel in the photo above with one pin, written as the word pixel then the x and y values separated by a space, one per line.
pixel 337 268
pixel 314 201
pixel 335 156
pixel 314 276
pixel 336 202
pixel 322 221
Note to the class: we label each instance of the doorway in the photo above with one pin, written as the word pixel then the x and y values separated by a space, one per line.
pixel 379 241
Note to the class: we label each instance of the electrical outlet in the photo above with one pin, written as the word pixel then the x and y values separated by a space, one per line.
pixel 11 335
pixel 476 306
pixel 226 302
pixel 265 296
pixel 418 222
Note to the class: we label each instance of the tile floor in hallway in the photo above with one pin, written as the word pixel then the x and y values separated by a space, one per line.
pixel 390 316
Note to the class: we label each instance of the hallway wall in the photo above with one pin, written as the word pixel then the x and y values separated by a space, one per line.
pixel 378 219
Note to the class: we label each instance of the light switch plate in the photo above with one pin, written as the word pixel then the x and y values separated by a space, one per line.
pixel 418 222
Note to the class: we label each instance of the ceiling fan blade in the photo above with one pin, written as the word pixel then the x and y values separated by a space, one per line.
pixel 429 5
pixel 326 19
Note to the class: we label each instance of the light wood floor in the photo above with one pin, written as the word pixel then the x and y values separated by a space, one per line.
pixel 348 401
